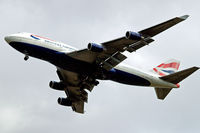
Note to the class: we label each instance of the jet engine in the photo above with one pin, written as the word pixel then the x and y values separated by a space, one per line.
pixel 64 101
pixel 133 35
pixel 56 85
pixel 95 47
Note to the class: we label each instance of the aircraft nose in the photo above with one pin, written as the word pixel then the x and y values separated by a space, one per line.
pixel 8 39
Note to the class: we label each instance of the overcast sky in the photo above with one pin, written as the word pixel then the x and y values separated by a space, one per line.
pixel 28 105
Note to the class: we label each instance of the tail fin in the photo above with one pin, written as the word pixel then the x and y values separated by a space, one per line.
pixel 174 78
pixel 169 67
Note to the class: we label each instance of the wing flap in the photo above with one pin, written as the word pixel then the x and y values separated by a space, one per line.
pixel 78 107
pixel 113 60
pixel 137 45
pixel 77 97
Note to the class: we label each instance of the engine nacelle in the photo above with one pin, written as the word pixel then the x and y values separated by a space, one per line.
pixel 133 35
pixel 64 101
pixel 95 47
pixel 56 85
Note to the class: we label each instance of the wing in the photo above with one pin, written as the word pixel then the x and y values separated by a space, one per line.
pixel 75 86
pixel 112 55
pixel 75 95
pixel 152 31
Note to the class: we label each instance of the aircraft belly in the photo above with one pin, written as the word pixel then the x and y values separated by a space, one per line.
pixel 127 78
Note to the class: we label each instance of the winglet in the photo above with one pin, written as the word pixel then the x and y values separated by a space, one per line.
pixel 184 17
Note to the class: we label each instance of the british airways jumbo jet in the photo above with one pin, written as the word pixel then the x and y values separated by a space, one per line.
pixel 79 70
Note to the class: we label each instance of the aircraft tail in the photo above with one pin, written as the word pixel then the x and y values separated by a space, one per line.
pixel 169 67
pixel 168 72
pixel 174 78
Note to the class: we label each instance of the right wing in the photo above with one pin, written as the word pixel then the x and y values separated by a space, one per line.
pixel 112 56
pixel 152 31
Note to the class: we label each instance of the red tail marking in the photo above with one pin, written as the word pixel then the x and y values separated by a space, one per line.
pixel 170 65
pixel 160 73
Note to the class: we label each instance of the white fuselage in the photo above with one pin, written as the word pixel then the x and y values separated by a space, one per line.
pixel 27 38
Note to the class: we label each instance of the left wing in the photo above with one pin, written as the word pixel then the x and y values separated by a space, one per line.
pixel 74 89
pixel 77 98
pixel 109 54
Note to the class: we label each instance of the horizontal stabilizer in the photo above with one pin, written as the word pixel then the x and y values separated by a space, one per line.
pixel 179 76
pixel 162 92
pixel 152 31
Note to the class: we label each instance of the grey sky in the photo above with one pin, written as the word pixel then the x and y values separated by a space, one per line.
pixel 27 104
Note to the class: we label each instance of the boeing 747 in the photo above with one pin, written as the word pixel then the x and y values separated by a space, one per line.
pixel 80 70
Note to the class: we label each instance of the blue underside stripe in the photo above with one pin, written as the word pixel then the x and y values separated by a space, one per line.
pixel 127 78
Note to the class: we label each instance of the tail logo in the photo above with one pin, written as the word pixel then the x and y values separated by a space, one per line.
pixel 167 68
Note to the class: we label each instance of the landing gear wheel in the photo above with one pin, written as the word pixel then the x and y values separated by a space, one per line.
pixel 96 82
pixel 26 57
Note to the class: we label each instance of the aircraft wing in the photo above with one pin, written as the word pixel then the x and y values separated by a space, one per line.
pixel 154 30
pixel 74 88
pixel 75 95
pixel 112 55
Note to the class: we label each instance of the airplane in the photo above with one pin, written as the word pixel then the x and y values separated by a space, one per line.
pixel 79 71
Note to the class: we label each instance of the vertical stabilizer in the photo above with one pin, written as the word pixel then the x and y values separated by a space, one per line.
pixel 169 67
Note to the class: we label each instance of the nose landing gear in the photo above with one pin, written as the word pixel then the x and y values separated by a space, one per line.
pixel 26 57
